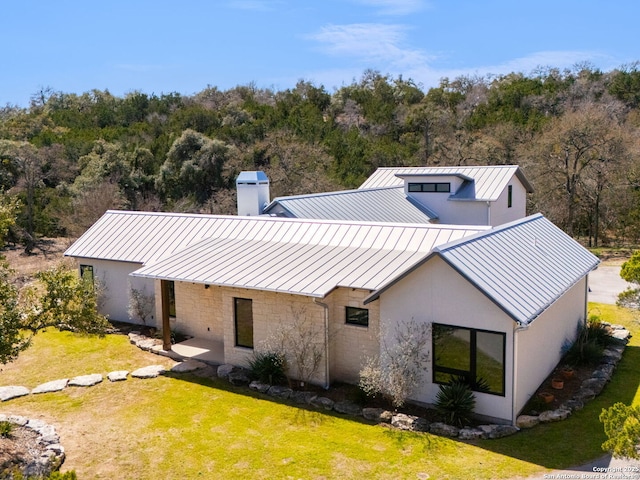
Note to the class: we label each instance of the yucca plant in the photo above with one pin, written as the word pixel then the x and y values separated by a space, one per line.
pixel 455 402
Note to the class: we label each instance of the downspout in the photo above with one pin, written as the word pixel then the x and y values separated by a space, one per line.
pixel 514 353
pixel 326 341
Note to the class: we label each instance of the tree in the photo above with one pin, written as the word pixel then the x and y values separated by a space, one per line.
pixel 630 272
pixel 63 299
pixel 622 427
pixel 399 368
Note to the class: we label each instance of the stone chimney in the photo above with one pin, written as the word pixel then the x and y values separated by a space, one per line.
pixel 253 193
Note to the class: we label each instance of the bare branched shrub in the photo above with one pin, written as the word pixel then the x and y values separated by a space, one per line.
pixel 141 304
pixel 399 368
pixel 300 342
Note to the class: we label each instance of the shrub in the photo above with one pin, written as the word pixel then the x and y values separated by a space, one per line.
pixel 268 367
pixel 622 427
pixel 5 429
pixel 455 402
pixel 593 337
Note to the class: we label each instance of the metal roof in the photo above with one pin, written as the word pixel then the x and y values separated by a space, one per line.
pixel 523 266
pixel 489 181
pixel 252 177
pixel 307 257
pixel 388 204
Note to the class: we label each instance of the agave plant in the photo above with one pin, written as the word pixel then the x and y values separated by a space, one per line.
pixel 455 402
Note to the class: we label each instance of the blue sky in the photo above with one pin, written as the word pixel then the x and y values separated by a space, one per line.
pixel 183 46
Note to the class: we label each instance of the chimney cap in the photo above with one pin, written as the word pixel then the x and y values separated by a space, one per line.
pixel 252 177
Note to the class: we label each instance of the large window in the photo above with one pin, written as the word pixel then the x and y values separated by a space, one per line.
pixel 243 319
pixel 478 356
pixel 430 187
pixel 357 316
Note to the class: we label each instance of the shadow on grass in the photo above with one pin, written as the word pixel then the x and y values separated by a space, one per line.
pixel 578 439
pixel 572 442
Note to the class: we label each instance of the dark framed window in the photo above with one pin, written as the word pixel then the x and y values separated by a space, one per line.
pixel 477 356
pixel 243 320
pixel 509 196
pixel 437 187
pixel 86 273
pixel 357 316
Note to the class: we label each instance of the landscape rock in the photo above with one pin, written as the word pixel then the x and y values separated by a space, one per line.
pixel 554 415
pixel 279 392
pixel 301 397
pixel 348 408
pixel 259 386
pixel 187 366
pixel 322 402
pixel 573 405
pixel 611 355
pixel 527 421
pixel 53 386
pixel 409 422
pixel 225 369
pixel 147 344
pixel 605 371
pixel 152 371
pixel 470 434
pixel 8 393
pixel 498 431
pixel 239 377
pixel 584 395
pixel 118 375
pixel 444 429
pixel 378 415
pixel 594 384
pixel 86 380
pixel 621 333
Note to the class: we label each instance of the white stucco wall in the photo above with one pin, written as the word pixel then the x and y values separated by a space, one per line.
pixel 115 277
pixel 540 347
pixel 501 213
pixel 436 293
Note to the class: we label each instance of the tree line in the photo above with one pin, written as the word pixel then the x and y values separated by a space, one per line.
pixel 69 157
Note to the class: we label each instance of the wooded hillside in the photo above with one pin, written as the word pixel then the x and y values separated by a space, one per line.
pixel 70 157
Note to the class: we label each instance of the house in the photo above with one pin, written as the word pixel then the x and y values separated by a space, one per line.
pixel 482 195
pixel 507 298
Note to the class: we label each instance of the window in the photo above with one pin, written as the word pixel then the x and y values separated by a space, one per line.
pixel 86 273
pixel 476 355
pixel 510 196
pixel 243 319
pixel 357 316
pixel 430 187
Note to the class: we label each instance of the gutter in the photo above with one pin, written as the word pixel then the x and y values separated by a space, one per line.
pixel 326 341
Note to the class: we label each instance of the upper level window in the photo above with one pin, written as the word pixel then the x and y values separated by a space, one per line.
pixel 440 187
pixel 357 316
pixel 510 196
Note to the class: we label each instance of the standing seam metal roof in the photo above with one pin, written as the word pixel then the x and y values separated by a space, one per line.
pixel 388 204
pixel 308 257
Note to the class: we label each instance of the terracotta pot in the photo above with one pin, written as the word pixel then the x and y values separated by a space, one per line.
pixel 567 373
pixel 546 397
pixel 557 383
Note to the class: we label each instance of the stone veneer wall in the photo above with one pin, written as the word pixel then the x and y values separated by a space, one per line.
pixel 207 313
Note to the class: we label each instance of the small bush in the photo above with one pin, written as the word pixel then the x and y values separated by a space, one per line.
pixel 5 429
pixel 590 344
pixel 455 402
pixel 268 367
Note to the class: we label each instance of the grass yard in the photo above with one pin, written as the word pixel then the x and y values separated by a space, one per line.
pixel 188 427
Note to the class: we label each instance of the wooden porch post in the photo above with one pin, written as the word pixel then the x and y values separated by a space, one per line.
pixel 166 325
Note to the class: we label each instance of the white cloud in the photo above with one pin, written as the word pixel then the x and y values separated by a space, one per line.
pixel 370 43
pixel 395 7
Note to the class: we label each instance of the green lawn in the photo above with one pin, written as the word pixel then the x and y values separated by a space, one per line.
pixel 187 427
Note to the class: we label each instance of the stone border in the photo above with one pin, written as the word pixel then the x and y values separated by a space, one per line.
pixel 52 456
